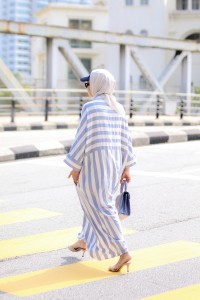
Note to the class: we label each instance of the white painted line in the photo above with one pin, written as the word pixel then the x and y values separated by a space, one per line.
pixel 35 160
pixel 49 163
pixel 189 171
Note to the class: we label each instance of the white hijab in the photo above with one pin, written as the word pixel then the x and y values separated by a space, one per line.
pixel 102 83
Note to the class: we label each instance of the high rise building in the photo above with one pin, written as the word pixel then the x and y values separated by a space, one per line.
pixel 15 50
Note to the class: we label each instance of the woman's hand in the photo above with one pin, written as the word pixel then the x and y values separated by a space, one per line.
pixel 126 175
pixel 75 175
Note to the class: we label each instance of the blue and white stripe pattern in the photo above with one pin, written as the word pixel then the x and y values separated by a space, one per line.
pixel 101 150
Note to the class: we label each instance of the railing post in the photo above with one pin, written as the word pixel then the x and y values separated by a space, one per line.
pixel 46 109
pixel 181 109
pixel 80 106
pixel 131 108
pixel 12 110
pixel 158 107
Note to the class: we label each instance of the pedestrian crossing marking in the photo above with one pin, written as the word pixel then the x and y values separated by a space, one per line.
pixel 74 274
pixel 24 215
pixel 191 292
pixel 43 242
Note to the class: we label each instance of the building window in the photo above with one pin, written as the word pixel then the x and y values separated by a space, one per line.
pixel 74 24
pixel 144 2
pixel 22 63
pixel 23 48
pixel 181 4
pixel 87 25
pixel 194 37
pixel 23 41
pixel 23 55
pixel 24 4
pixel 87 62
pixel 129 2
pixel 80 44
pixel 80 24
pixel 195 4
pixel 23 70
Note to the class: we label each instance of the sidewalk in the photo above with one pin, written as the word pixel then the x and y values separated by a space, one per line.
pixel 26 122
pixel 22 144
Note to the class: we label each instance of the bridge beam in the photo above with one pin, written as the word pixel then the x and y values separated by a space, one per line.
pixel 124 80
pixel 52 64
pixel 48 31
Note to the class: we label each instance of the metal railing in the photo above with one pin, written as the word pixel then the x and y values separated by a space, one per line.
pixel 70 102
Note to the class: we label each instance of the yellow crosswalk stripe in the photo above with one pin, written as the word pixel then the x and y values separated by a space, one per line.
pixel 187 293
pixel 60 277
pixel 42 242
pixel 24 215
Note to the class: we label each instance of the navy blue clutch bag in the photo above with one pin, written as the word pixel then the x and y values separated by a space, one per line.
pixel 123 202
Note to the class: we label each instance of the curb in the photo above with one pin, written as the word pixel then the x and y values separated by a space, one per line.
pixel 62 147
pixel 36 126
pixel 163 123
pixel 65 125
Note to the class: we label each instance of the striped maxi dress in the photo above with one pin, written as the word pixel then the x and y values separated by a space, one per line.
pixel 101 150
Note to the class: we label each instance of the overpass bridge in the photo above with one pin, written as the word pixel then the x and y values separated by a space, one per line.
pixel 53 32
pixel 57 38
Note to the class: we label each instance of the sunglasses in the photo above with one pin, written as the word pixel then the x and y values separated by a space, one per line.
pixel 87 84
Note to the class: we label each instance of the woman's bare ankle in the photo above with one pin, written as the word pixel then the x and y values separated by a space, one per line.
pixel 125 256
pixel 82 243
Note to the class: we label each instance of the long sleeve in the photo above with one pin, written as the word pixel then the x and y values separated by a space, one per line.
pixel 74 157
pixel 131 160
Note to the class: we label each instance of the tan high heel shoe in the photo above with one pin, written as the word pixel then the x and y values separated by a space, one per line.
pixel 114 269
pixel 76 249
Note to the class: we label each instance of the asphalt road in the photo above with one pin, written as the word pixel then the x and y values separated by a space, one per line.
pixel 39 209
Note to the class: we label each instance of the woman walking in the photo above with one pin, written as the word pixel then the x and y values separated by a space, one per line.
pixel 101 157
